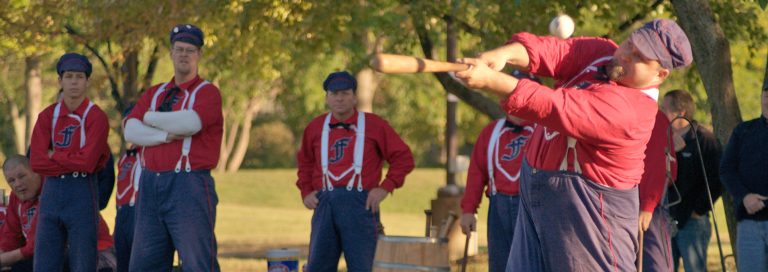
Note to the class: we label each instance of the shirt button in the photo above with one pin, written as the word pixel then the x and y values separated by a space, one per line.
pixel 157 174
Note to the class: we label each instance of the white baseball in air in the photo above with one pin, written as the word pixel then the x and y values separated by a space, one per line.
pixel 561 26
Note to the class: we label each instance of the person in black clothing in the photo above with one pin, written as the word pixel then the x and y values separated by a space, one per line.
pixel 744 170
pixel 690 214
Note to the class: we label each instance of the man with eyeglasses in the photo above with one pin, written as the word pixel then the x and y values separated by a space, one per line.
pixel 179 125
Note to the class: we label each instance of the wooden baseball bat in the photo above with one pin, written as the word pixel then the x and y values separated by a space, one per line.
pixel 400 64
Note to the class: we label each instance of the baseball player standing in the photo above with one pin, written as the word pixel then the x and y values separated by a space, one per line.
pixel 496 159
pixel 179 125
pixel 340 161
pixel 69 145
pixel 578 192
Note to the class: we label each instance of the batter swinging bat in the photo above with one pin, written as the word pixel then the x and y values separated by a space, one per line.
pixel 399 64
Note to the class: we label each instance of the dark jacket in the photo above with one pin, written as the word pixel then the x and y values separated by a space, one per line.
pixel 744 168
pixel 690 177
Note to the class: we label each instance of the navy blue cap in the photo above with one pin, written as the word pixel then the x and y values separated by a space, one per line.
pixel 340 81
pixel 187 33
pixel 74 62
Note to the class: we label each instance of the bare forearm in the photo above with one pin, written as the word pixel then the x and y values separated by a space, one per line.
pixel 513 54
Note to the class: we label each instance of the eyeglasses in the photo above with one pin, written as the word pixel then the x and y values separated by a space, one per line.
pixel 181 50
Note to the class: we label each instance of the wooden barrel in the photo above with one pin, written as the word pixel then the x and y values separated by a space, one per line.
pixel 401 253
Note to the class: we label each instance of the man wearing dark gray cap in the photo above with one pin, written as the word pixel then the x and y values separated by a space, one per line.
pixel 579 200
pixel 179 125
pixel 340 162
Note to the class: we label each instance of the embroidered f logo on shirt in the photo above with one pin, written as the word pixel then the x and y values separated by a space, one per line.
pixel 338 149
pixel 67 133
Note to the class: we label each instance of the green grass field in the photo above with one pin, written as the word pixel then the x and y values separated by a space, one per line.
pixel 261 210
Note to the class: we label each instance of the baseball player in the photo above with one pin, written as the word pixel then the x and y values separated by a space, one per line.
pixel 340 161
pixel 17 236
pixel 179 126
pixel 654 217
pixel 69 145
pixel 495 164
pixel 129 171
pixel 578 192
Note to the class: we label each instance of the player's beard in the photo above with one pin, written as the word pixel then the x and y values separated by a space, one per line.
pixel 615 71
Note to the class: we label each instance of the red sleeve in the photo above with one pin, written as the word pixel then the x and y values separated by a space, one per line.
pixel 397 154
pixel 29 248
pixel 142 106
pixel 104 239
pixel 306 159
pixel 86 159
pixel 11 237
pixel 654 177
pixel 562 59
pixel 40 143
pixel 477 174
pixel 596 116
pixel 208 106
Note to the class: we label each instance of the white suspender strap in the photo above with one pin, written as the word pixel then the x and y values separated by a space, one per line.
pixel 82 123
pixel 56 112
pixel 136 175
pixel 187 143
pixel 324 152
pixel 493 149
pixel 358 156
pixel 564 163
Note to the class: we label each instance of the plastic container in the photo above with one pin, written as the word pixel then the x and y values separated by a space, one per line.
pixel 283 260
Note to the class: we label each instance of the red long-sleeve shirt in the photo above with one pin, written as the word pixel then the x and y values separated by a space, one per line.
pixel 68 156
pixel 18 232
pixel 510 158
pixel 611 123
pixel 206 143
pixel 654 179
pixel 381 144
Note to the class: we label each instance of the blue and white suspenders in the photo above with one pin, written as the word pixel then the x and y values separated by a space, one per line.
pixel 187 103
pixel 357 165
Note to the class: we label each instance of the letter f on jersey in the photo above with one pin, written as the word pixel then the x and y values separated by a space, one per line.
pixel 338 149
pixel 67 133
pixel 514 146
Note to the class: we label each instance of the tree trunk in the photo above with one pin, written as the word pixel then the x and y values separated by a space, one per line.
pixel 19 128
pixel 238 154
pixel 367 84
pixel 228 138
pixel 367 80
pixel 712 55
pixel 130 74
pixel 34 85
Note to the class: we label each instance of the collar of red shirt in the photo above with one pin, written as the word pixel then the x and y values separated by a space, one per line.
pixel 186 85
pixel 78 111
pixel 351 120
